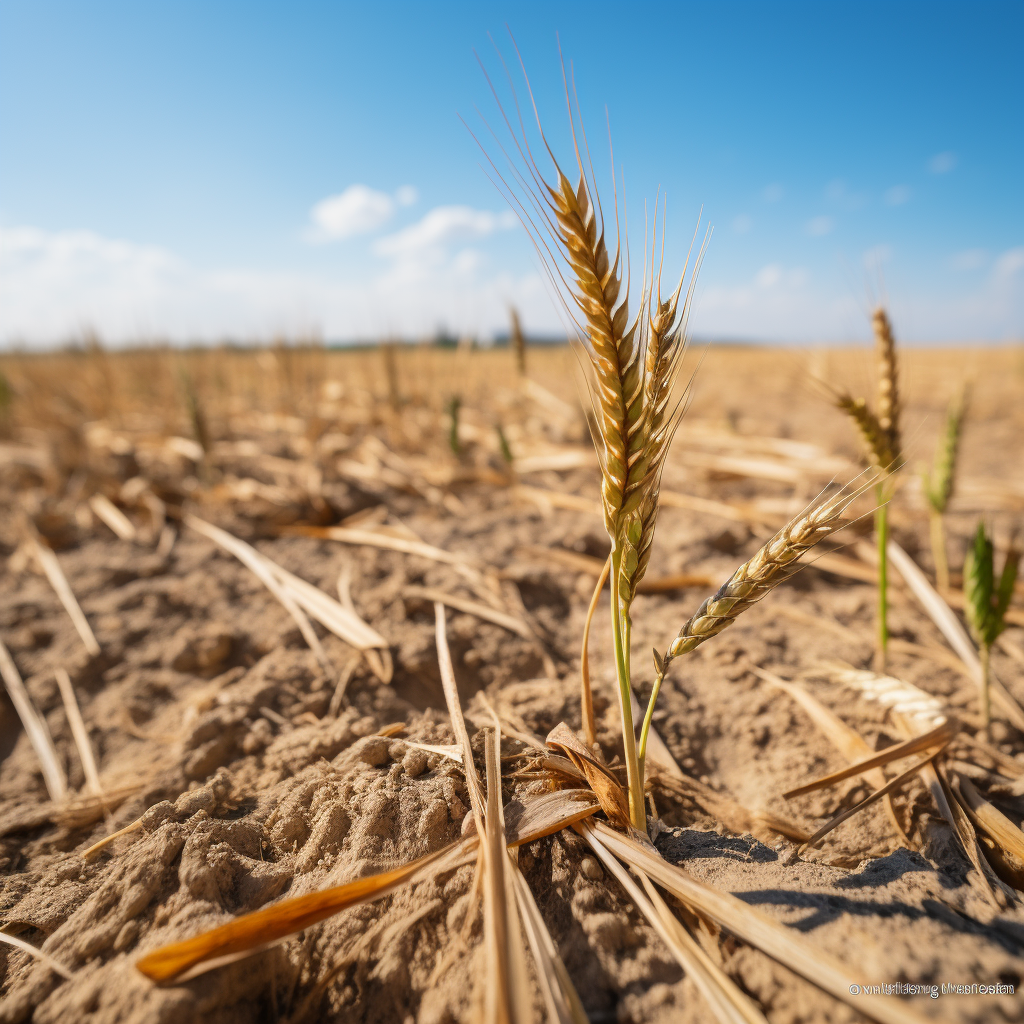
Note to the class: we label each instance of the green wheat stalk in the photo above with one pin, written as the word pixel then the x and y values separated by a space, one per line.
pixel 986 602
pixel 939 483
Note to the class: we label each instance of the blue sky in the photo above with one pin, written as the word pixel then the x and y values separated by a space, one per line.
pixel 195 170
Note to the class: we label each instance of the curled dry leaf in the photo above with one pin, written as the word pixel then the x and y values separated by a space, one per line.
pixel 606 787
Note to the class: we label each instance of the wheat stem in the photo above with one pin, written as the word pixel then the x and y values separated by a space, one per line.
pixel 938 538
pixel 586 694
pixel 648 715
pixel 986 678
pixel 620 634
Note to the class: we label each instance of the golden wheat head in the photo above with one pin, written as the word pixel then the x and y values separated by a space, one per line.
pixel 773 564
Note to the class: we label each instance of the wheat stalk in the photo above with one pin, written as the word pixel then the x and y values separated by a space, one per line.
pixel 881 435
pixel 633 364
pixel 938 484
pixel 517 340
pixel 390 359
pixel 986 602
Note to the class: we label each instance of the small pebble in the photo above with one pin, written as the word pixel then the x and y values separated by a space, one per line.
pixel 374 751
pixel 591 869
pixel 414 762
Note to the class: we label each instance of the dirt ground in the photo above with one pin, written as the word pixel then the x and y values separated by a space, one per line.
pixel 253 779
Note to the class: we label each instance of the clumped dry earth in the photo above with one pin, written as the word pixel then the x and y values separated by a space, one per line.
pixel 254 777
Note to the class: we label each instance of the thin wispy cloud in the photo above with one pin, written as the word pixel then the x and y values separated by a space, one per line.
pixel 969 259
pixel 840 195
pixel 774 276
pixel 874 258
pixel 897 195
pixel 1009 265
pixel 741 224
pixel 772 193
pixel 817 227
pixel 942 163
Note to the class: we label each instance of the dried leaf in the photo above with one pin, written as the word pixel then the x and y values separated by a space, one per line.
pixel 560 997
pixel 253 931
pixel 728 1004
pixel 605 786
pixel 35 951
pixel 889 787
pixel 939 736
pixel 532 818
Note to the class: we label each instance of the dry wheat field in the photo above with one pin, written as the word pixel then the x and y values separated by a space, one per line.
pixel 299 631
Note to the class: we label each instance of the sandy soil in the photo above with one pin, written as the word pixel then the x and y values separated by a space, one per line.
pixel 249 786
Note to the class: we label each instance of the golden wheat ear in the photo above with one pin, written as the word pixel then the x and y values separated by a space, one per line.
pixel 888 380
pixel 773 564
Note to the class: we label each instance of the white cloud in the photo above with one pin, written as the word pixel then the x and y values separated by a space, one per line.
pixel 942 163
pixel 969 259
pixel 741 224
pixel 818 226
pixel 355 211
pixel 774 275
pixel 441 227
pixel 1009 264
pixel 55 286
pixel 779 302
pixel 469 261
pixel 772 193
pixel 897 195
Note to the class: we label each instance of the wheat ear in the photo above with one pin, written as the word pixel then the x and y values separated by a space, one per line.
pixel 881 435
pixel 888 380
pixel 773 564
pixel 877 444
pixel 940 482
